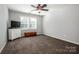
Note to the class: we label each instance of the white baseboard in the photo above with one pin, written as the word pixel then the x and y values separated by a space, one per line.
pixel 63 40
pixel 2 48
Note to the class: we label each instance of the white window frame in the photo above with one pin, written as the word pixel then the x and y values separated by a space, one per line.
pixel 29 24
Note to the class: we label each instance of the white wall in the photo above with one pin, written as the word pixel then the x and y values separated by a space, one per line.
pixel 15 15
pixel 63 22
pixel 3 26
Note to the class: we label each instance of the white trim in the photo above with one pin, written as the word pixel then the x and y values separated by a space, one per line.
pixel 63 40
pixel 2 48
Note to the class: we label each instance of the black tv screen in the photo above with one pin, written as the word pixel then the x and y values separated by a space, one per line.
pixel 15 24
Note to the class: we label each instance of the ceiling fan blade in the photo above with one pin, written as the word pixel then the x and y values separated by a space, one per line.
pixel 33 6
pixel 44 5
pixel 44 9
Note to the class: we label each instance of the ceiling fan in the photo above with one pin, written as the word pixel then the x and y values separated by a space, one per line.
pixel 40 7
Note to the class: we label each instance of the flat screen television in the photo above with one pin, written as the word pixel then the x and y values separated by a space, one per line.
pixel 15 24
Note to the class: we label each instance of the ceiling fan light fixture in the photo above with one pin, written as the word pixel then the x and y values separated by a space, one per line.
pixel 39 11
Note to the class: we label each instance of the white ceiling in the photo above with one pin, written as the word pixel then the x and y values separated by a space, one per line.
pixel 25 8
pixel 28 9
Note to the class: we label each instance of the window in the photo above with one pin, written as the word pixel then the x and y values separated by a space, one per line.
pixel 24 22
pixel 28 22
pixel 33 23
